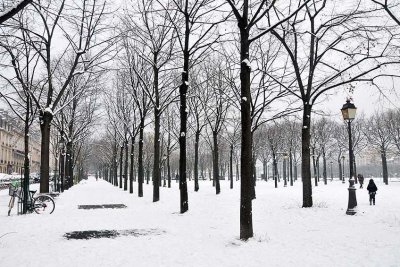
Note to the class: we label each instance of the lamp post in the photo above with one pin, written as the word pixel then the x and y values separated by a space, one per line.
pixel 331 162
pixel 314 168
pixel 349 113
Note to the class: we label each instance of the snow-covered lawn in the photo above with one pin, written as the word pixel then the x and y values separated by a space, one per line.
pixel 208 235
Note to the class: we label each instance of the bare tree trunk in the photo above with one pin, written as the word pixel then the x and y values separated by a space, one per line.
pixel 246 218
pixel 318 169
pixel 254 177
pixel 183 88
pixel 291 167
pixel 305 157
pixel 324 174
pixel 355 169
pixel 45 123
pixel 62 170
pixel 26 158
pixel 169 171
pixel 121 152
pixel 196 162
pixel 67 164
pixel 231 167
pixel 140 159
pixel 115 161
pixel 132 164
pixel 237 171
pixel 157 118
pixel 148 173
pixel 215 163
pixel 284 172
pixel 275 169
pixel 384 167
pixel 126 166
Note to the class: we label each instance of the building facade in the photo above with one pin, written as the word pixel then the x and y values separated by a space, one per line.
pixel 12 147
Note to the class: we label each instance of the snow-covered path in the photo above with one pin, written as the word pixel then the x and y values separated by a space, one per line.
pixel 207 235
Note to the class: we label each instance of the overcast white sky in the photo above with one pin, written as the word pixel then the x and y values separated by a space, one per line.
pixel 366 98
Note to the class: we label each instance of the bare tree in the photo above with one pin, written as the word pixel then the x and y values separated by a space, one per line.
pixel 138 81
pixel 390 8
pixel 393 124
pixel 232 136
pixel 154 31
pixel 252 19
pixel 378 136
pixel 314 42
pixel 74 122
pixel 195 35
pixel 199 121
pixel 78 23
pixel 10 8
pixel 18 56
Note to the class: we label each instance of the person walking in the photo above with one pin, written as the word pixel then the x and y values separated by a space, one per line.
pixel 360 178
pixel 371 191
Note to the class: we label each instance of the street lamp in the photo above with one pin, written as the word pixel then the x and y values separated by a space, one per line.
pixel 314 167
pixel 349 113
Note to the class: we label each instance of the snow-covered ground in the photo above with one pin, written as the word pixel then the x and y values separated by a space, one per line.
pixel 208 235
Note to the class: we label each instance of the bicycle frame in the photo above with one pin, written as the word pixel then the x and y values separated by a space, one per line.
pixel 16 192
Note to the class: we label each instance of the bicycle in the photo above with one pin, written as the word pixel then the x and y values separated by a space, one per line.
pixel 41 203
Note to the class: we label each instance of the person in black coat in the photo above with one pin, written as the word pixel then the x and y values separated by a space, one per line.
pixel 372 191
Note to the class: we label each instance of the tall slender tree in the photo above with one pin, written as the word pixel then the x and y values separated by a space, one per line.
pixel 252 19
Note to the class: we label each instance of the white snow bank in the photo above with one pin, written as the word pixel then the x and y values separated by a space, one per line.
pixel 208 234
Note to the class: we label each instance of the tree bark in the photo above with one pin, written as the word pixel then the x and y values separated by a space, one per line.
pixel 115 161
pixel 305 157
pixel 45 124
pixel 26 157
pixel 157 118
pixel 132 163
pixel 291 167
pixel 18 6
pixel 215 163
pixel 126 166
pixel 121 152
pixel 183 88
pixel 284 172
pixel 231 167
pixel 196 161
pixel 324 174
pixel 169 171
pixel 384 166
pixel 140 159
pixel 275 169
pixel 68 163
pixel 246 213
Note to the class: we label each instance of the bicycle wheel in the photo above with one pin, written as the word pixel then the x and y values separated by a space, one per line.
pixel 44 205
